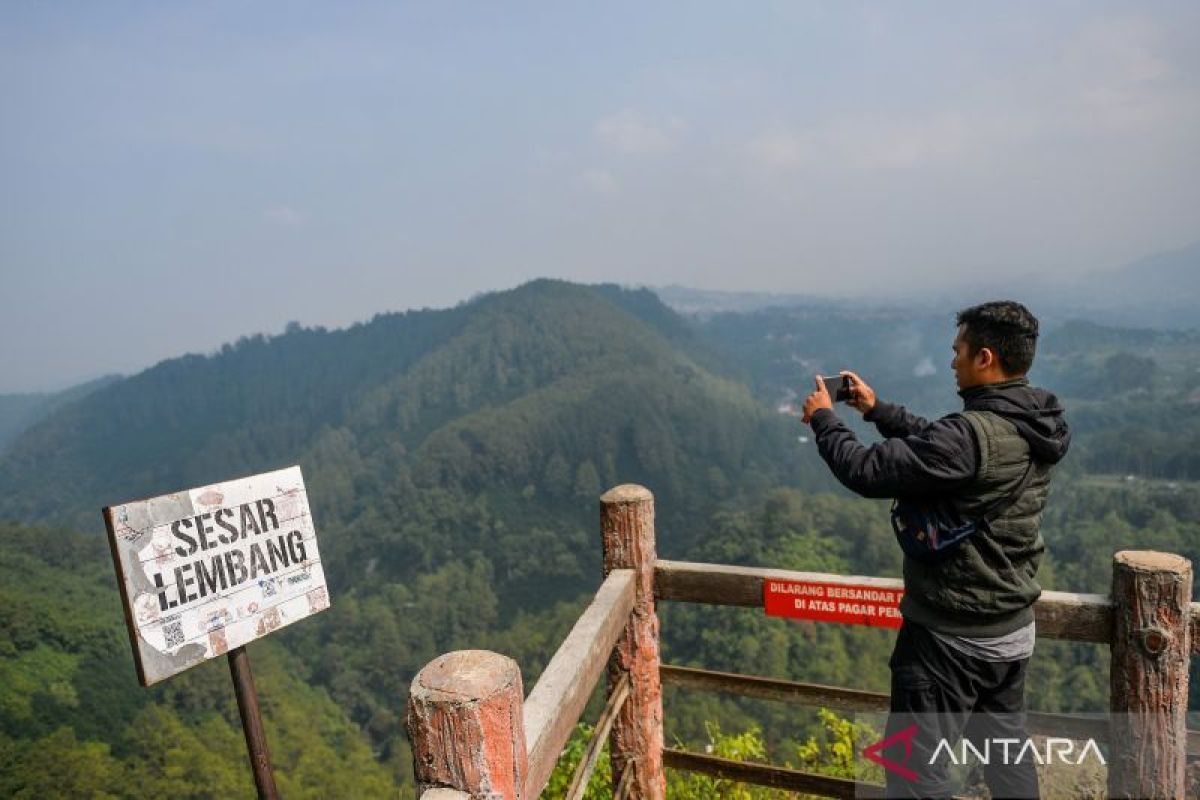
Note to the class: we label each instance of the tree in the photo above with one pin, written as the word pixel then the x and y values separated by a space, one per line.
pixel 58 765
pixel 587 481
pixel 556 477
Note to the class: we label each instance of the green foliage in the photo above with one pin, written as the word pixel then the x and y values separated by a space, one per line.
pixel 58 765
pixel 170 758
pixel 42 671
pixel 599 784
pixel 74 722
pixel 744 746
pixel 833 750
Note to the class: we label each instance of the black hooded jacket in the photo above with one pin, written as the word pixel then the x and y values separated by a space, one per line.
pixel 987 586
pixel 918 457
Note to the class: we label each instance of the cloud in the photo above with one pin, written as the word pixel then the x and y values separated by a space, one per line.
pixel 630 132
pixel 782 148
pixel 1112 76
pixel 865 143
pixel 599 181
pixel 1116 71
pixel 285 216
pixel 1121 51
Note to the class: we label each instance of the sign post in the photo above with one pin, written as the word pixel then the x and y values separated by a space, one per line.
pixel 256 736
pixel 204 572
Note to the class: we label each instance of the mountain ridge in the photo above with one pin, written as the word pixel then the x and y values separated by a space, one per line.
pixel 397 392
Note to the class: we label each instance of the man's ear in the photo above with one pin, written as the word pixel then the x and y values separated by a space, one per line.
pixel 986 358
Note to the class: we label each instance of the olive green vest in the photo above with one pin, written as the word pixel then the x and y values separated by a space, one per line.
pixel 988 585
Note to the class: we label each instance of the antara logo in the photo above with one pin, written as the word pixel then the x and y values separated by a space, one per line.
pixel 872 752
pixel 1061 749
pixel 999 751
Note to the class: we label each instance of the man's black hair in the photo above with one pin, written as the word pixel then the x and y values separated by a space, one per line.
pixel 1005 327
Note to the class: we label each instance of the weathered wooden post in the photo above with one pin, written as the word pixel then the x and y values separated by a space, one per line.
pixel 1151 643
pixel 636 740
pixel 466 724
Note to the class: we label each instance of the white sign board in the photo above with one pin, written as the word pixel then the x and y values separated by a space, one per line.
pixel 210 569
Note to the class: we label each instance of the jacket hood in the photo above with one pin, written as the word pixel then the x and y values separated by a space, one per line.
pixel 1036 412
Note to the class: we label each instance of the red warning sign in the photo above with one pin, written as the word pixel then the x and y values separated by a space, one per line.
pixel 848 604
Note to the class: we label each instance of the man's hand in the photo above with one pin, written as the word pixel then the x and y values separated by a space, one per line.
pixel 818 399
pixel 862 397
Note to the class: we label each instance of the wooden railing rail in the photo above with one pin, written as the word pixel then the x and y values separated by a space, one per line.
pixel 1072 616
pixel 556 702
pixel 1060 615
pixel 832 697
pixel 837 698
pixel 766 775
pixel 583 771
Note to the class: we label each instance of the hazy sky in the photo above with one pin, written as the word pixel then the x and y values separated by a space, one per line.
pixel 177 175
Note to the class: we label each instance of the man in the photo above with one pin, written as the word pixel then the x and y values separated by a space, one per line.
pixel 968 629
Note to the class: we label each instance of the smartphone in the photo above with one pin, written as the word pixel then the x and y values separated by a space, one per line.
pixel 838 388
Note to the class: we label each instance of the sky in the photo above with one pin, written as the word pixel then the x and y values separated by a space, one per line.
pixel 177 175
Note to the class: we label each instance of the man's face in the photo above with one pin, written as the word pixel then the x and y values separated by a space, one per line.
pixel 962 364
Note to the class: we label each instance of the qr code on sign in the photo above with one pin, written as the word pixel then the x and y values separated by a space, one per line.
pixel 173 631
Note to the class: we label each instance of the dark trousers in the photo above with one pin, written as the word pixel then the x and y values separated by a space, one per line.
pixel 949 695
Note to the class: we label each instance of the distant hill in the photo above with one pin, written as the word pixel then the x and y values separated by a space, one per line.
pixel 1160 291
pixel 1168 280
pixel 551 388
pixel 20 411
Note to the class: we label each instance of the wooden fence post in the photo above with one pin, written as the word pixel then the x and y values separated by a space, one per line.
pixel 636 740
pixel 467 727
pixel 1151 644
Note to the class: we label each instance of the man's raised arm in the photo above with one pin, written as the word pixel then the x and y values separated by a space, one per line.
pixel 890 419
pixel 941 457
pixel 895 420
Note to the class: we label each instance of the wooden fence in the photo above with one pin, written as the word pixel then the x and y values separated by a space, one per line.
pixel 475 734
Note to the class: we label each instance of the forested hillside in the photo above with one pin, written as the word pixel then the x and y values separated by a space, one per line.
pixel 19 412
pixel 454 459
pixel 75 723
